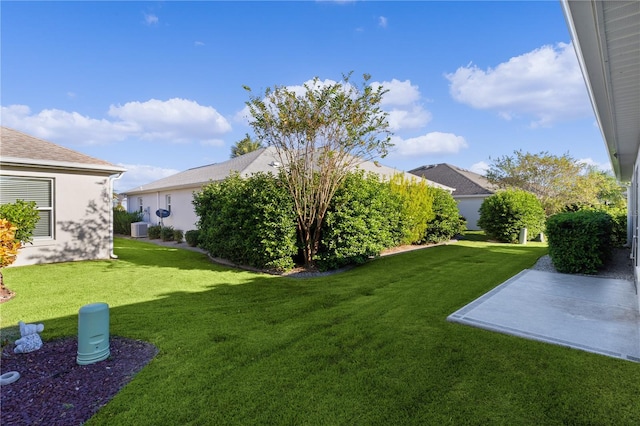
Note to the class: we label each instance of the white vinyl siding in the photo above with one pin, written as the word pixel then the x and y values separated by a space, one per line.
pixel 31 189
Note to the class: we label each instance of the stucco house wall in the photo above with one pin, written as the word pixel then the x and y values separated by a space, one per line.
pixel 182 215
pixel 469 207
pixel 182 186
pixel 81 199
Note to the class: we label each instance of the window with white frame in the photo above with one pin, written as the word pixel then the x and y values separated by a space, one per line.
pixel 40 190
pixel 140 205
pixel 168 202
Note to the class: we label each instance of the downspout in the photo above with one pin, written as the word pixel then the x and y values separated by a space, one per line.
pixel 112 179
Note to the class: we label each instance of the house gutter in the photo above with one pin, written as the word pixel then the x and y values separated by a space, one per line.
pixel 112 179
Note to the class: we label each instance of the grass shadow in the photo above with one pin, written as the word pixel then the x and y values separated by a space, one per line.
pixel 369 346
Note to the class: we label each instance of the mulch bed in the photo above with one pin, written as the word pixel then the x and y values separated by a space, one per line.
pixel 54 390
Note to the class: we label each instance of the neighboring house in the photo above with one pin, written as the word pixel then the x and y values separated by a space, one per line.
pixel 73 195
pixel 606 36
pixel 175 193
pixel 470 188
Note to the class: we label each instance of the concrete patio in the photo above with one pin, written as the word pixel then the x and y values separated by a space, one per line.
pixel 593 314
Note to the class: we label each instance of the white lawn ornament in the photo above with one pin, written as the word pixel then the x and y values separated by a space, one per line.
pixel 30 340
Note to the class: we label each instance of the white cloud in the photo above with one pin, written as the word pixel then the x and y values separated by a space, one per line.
pixel 383 22
pixel 175 120
pixel 430 143
pixel 151 19
pixel 198 43
pixel 243 116
pixel 398 92
pixel 52 124
pixel 140 174
pixel 212 142
pixel 480 167
pixel 601 166
pixel 402 102
pixel 545 84
pixel 404 119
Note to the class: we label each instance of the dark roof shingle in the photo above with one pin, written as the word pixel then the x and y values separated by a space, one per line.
pixel 464 181
pixel 21 147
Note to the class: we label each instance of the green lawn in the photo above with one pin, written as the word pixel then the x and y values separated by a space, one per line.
pixel 366 347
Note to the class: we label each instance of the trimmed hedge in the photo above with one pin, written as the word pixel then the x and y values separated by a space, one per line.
pixel 192 237
pixel 579 242
pixel 364 218
pixel 619 231
pixel 505 213
pixel 417 207
pixel 447 222
pixel 248 221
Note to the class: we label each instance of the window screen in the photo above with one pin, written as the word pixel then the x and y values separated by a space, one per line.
pixel 31 189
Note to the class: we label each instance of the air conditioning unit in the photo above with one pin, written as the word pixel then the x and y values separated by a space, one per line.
pixel 139 229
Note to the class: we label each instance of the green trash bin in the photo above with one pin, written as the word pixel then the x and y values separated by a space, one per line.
pixel 93 333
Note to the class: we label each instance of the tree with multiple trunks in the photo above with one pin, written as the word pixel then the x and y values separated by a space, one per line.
pixel 557 181
pixel 320 133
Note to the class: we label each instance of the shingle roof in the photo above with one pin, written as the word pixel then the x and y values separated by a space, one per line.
pixel 262 160
pixel 19 148
pixel 247 164
pixel 464 181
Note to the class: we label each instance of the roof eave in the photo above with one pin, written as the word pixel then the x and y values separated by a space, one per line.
pixel 585 21
pixel 142 190
pixel 60 165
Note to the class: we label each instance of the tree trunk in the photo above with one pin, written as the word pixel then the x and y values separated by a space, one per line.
pixel 5 293
pixel 305 237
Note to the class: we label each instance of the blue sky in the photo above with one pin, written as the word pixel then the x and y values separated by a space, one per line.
pixel 157 87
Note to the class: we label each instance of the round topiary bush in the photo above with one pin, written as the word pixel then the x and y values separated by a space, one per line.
pixel 192 237
pixel 504 214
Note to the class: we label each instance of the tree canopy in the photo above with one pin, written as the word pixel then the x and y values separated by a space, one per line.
pixel 245 146
pixel 320 133
pixel 557 181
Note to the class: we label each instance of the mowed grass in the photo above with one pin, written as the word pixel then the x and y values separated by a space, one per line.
pixel 370 346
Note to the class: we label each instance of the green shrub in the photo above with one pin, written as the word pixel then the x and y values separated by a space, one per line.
pixel 618 216
pixel 178 235
pixel 248 221
pixel 154 232
pixel 447 222
pixel 417 207
pixel 24 216
pixel 505 213
pixel 192 237
pixel 122 220
pixel 166 234
pixel 364 218
pixel 619 226
pixel 579 242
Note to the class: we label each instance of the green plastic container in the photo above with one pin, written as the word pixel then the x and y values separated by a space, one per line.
pixel 93 333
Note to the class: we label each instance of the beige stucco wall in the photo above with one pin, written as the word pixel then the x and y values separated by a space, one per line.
pixel 468 207
pixel 183 216
pixel 82 207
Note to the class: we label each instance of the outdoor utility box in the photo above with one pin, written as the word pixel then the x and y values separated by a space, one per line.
pixel 139 229
pixel 93 333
